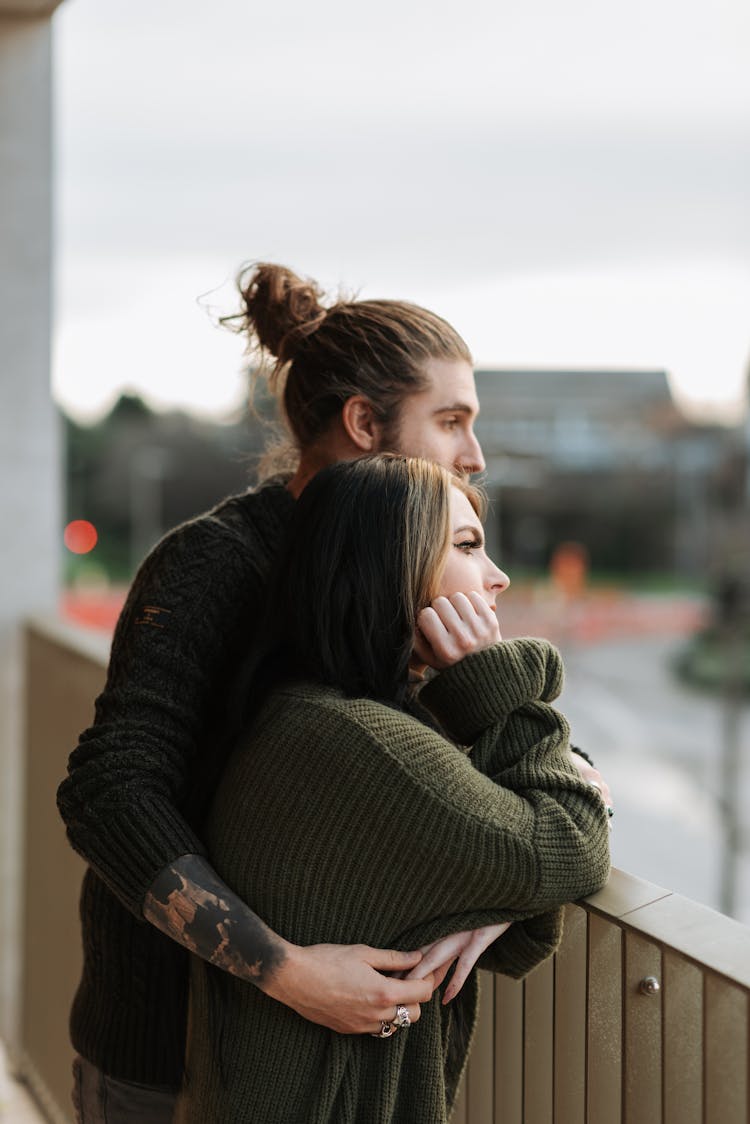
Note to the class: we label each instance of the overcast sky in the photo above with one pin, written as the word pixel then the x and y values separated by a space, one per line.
pixel 568 184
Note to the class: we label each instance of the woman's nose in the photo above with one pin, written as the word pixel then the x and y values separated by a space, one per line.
pixel 497 579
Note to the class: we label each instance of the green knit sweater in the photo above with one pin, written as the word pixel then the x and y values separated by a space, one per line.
pixel 346 820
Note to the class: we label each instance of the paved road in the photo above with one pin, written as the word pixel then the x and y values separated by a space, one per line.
pixel 659 745
pixel 657 742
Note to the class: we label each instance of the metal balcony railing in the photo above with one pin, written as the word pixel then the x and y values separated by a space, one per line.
pixel 641 1018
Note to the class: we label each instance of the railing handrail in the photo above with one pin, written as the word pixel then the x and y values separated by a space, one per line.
pixel 700 934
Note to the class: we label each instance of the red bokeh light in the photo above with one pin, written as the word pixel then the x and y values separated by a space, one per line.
pixel 80 536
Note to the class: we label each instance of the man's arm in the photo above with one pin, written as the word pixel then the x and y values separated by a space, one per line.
pixel 341 987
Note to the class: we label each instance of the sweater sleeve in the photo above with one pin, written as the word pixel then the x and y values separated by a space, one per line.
pixel 128 778
pixel 500 699
pixel 482 690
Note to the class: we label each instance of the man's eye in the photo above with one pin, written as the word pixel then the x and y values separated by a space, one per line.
pixel 450 423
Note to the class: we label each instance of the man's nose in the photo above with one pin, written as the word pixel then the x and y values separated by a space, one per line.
pixel 471 459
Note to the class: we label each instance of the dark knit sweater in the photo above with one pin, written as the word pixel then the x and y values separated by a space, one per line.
pixel 348 821
pixel 130 801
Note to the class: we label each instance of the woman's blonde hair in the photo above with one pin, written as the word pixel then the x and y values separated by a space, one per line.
pixel 427 526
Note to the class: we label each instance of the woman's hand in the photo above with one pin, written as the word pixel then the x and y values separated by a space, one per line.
pixel 467 947
pixel 453 627
pixel 592 776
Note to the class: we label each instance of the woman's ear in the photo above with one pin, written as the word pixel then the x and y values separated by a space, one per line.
pixel 360 424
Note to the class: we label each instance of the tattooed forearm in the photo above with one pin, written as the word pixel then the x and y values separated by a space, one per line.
pixel 189 903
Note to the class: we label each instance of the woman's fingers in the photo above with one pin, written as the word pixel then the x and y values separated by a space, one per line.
pixel 488 617
pixel 445 950
pixel 479 942
pixel 457 626
pixel 469 617
pixel 464 947
pixel 435 646
pixel 593 777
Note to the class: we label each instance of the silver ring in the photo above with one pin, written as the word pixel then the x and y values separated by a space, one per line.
pixel 595 784
pixel 386 1030
pixel 402 1018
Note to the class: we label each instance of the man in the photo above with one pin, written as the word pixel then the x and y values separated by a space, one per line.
pixel 359 377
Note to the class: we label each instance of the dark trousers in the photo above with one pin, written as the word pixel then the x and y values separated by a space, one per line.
pixel 99 1099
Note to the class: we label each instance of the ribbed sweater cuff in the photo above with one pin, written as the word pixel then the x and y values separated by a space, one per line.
pixel 136 848
pixel 487 686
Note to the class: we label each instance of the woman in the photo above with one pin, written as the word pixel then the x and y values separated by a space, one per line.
pixel 386 829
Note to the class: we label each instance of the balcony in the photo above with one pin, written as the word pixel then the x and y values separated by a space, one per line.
pixel 641 1018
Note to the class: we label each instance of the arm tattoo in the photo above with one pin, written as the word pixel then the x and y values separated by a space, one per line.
pixel 189 903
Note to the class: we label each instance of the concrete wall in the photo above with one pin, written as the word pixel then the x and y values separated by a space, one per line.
pixel 29 441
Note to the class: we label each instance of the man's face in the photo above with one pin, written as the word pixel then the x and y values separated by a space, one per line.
pixel 438 422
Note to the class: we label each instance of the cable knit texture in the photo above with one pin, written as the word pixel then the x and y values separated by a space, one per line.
pixel 347 821
pixel 131 801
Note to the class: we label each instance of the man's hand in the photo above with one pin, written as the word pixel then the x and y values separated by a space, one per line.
pixel 342 986
pixel 466 946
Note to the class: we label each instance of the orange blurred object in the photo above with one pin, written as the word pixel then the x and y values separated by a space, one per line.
pixel 80 536
pixel 92 608
pixel 569 567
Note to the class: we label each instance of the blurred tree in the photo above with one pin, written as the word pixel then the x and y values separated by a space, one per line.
pixel 136 473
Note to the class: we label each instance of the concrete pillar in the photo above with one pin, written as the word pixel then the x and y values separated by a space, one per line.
pixel 30 471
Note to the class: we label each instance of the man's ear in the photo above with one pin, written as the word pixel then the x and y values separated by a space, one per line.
pixel 360 424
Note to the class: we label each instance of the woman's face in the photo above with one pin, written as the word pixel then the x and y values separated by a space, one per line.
pixel 467 567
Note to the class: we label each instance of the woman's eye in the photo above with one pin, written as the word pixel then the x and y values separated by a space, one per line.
pixel 468 544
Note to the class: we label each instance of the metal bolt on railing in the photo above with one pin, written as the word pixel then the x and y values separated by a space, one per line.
pixel 649 986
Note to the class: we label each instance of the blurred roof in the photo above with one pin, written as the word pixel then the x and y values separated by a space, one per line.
pixel 581 420
pixel 549 391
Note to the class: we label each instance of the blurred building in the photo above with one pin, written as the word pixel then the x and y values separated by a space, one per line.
pixel 600 458
pixel 604 458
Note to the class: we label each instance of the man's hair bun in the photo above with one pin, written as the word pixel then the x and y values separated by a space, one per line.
pixel 328 349
pixel 279 308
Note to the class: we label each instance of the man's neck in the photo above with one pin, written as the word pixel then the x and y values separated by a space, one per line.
pixel 302 477
pixel 336 447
